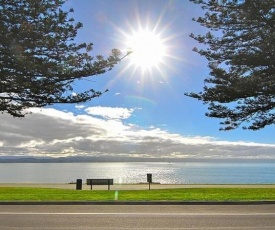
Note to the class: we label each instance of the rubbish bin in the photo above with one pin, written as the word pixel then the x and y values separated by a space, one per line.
pixel 79 184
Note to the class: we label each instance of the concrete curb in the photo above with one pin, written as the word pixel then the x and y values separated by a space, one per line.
pixel 136 202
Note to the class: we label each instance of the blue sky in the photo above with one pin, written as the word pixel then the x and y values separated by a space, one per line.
pixel 145 112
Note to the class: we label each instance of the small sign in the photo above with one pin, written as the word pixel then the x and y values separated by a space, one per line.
pixel 149 179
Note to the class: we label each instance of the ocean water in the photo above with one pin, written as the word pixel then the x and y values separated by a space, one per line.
pixel 165 173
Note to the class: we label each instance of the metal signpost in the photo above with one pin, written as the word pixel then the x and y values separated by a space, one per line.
pixel 149 179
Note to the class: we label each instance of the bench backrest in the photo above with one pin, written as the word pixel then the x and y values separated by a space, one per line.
pixel 100 181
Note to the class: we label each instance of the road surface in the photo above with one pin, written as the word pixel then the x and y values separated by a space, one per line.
pixel 137 217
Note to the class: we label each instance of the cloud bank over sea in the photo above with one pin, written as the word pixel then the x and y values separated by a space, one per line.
pixel 106 132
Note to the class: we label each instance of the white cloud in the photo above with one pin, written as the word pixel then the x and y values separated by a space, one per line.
pixel 101 132
pixel 31 144
pixel 80 106
pixel 109 112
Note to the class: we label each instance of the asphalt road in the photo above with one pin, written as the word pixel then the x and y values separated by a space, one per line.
pixel 136 217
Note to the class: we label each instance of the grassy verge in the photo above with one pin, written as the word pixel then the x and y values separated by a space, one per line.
pixel 186 194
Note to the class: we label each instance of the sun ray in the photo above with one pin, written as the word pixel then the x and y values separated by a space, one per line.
pixel 151 64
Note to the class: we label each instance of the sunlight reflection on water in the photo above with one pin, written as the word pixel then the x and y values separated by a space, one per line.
pixel 164 173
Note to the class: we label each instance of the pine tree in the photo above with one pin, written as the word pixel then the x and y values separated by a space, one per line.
pixel 39 60
pixel 240 49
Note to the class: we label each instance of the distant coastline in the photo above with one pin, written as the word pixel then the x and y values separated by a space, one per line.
pixel 122 159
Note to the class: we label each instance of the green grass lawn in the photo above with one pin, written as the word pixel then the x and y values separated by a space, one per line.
pixel 183 194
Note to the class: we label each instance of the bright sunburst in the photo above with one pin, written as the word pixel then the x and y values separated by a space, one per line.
pixel 147 49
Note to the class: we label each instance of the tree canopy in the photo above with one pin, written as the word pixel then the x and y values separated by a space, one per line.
pixel 39 59
pixel 240 49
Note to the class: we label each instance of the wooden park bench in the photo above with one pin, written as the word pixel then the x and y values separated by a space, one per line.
pixel 100 182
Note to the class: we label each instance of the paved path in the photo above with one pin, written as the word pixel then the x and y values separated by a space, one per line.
pixel 131 186
pixel 97 217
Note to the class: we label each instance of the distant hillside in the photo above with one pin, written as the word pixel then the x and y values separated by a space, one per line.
pixel 76 159
pixel 83 159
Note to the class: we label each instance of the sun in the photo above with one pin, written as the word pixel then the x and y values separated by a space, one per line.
pixel 146 48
